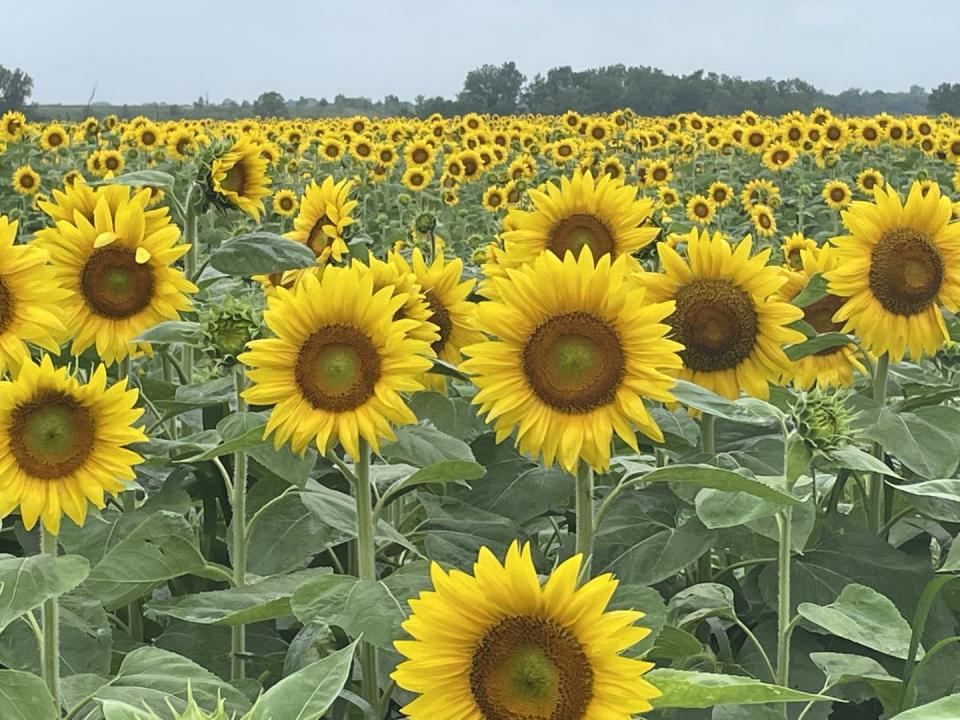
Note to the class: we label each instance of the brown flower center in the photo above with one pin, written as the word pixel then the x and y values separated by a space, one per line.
pixel 337 368
pixel 717 323
pixel 7 307
pixel 530 668
pixel 820 316
pixel 114 284
pixel 235 180
pixel 906 271
pixel 51 435
pixel 575 232
pixel 574 362
pixel 439 316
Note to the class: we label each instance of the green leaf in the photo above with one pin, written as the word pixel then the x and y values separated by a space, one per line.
pixel 24 696
pixel 458 471
pixel 240 431
pixel 422 445
pixel 655 558
pixel 260 253
pixel 864 616
pixel 921 440
pixel 854 458
pixel 308 693
pixel 172 332
pixel 843 668
pixel 952 561
pixel 939 499
pixel 756 412
pixel 687 689
pixel 814 290
pixel 946 708
pixel 698 602
pixel 25 583
pixel 824 341
pixel 264 600
pixel 115 710
pixel 287 536
pixel 708 476
pixel 675 644
pixel 373 609
pixel 161 546
pixel 143 178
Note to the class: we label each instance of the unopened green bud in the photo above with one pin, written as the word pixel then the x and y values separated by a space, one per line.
pixel 425 223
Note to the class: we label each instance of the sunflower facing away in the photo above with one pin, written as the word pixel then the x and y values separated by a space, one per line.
pixel 577 350
pixel 831 367
pixel 238 178
pixel 29 300
pixel 604 215
pixel 338 363
pixel 118 269
pixel 324 215
pixel 498 645
pixel 897 267
pixel 62 443
pixel 732 330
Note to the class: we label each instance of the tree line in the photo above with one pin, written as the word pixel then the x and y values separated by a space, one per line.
pixel 504 89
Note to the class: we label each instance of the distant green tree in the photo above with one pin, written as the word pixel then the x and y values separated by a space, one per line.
pixel 945 98
pixel 270 104
pixel 15 87
pixel 492 89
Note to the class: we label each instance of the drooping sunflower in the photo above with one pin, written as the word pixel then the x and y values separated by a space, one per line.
pixel 63 443
pixel 836 194
pixel 899 264
pixel 732 330
pixel 238 178
pixel 29 300
pixel 324 215
pixel 603 214
pixel 498 645
pixel 831 367
pixel 701 209
pixel 576 350
pixel 446 293
pixel 118 267
pixel 339 361
pixel 26 180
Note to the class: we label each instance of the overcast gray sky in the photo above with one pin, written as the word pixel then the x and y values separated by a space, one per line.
pixel 182 49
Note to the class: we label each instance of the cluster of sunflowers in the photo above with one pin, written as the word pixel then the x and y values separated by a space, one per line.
pixel 576 305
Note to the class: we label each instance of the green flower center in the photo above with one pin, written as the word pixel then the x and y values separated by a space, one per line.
pixel 579 231
pixel 51 436
pixel 906 271
pixel 115 285
pixel 338 368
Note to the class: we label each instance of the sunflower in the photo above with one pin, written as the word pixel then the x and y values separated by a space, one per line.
pixel 832 367
pixel 603 214
pixel 869 180
pixel 30 300
pixel 759 191
pixel 415 305
pixel 779 156
pixel 54 137
pixel 181 144
pixel 732 330
pixel 440 283
pixel 117 267
pixel 417 177
pixel 668 196
pixel 419 152
pixel 12 124
pixel 577 349
pixel 493 198
pixel 659 172
pixel 472 164
pixel 147 136
pixel 339 361
pixel 720 193
pixel 362 149
pixel 836 194
pixel 612 167
pixel 331 149
pixel 897 267
pixel 285 202
pixel 238 178
pixel 63 443
pixel 764 221
pixel 324 215
pixel 701 209
pixel 111 161
pixel 498 645
pixel 792 247
pixel 26 180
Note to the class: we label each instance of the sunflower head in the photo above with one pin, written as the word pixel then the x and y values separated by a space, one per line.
pixel 521 650
pixel 236 176
pixel 823 419
pixel 324 218
pixel 229 325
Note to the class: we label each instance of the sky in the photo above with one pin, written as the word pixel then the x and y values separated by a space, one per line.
pixel 177 50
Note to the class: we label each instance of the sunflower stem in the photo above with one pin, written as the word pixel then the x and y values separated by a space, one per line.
pixel 708 434
pixel 784 626
pixel 875 511
pixel 238 641
pixel 50 654
pixel 366 562
pixel 190 231
pixel 584 510
pixel 128 499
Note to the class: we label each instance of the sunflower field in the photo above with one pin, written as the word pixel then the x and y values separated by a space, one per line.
pixel 579 417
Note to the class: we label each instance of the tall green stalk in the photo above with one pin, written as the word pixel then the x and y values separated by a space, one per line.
pixel 128 499
pixel 584 510
pixel 238 640
pixel 784 628
pixel 50 654
pixel 191 262
pixel 875 511
pixel 366 563
pixel 708 444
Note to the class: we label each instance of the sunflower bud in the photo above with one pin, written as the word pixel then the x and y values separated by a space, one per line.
pixel 479 256
pixel 229 326
pixel 823 419
pixel 425 223
pixel 403 199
